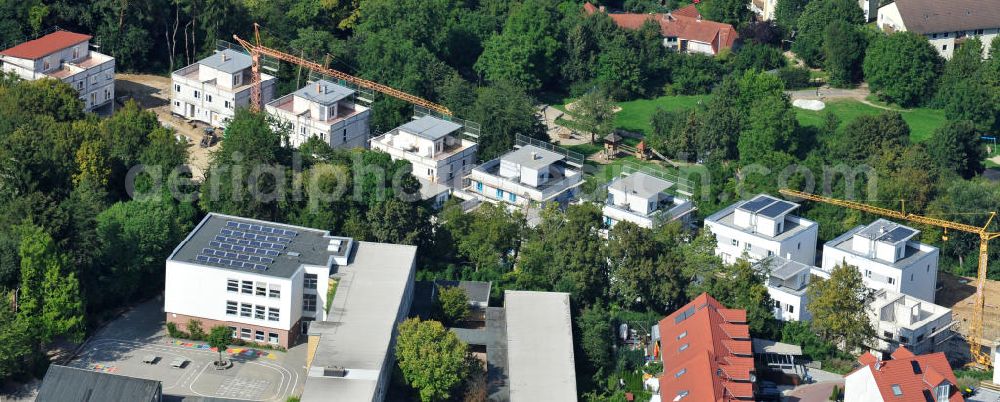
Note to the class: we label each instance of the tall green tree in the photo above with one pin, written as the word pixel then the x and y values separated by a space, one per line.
pixel 787 13
pixel 528 51
pixel 433 360
pixel 504 110
pixel 839 307
pixel 594 113
pixel 564 253
pixel 452 304
pixel 843 52
pixel 956 147
pixel 812 24
pixel 903 68
pixel 596 337
pixel 732 12
pixel 218 338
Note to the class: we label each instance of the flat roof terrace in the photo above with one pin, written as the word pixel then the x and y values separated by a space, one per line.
pixel 287 104
pixel 911 254
pixel 793 224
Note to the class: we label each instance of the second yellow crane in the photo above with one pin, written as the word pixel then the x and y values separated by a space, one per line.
pixel 974 338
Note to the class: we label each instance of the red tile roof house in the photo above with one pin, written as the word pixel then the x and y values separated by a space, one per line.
pixel 906 377
pixel 683 29
pixel 706 354
pixel 65 56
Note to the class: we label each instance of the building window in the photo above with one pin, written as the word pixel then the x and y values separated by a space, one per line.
pixel 309 281
pixel 680 373
pixel 896 390
pixel 941 392
pixel 258 312
pixel 344 135
pixel 232 285
pixel 245 309
pixel 887 335
pixel 770 253
pixel 274 292
pixel 76 53
pixel 903 339
pixel 245 333
pixel 272 338
pixel 177 88
pixel 746 246
pixel 309 302
pixel 248 287
pixel 261 289
pixel 228 104
pixel 197 94
pixel 934 36
pixel 512 197
pixel 979 32
pixel 891 280
pixel 868 273
pixel 479 186
pixel 231 308
pixel 208 98
pixel 790 308
pixel 683 347
pixel 911 277
pixel 272 314
pixel 920 338
pixel 259 336
pixel 682 335
pixel 499 193
pixel 176 103
pixel 735 242
pixel 944 47
pixel 79 85
pixel 235 332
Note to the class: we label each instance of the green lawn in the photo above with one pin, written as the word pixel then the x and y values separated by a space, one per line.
pixel 636 115
pixel 922 121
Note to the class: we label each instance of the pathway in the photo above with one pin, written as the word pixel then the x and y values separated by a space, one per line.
pixel 827 93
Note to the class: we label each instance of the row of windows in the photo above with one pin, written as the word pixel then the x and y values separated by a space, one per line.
pixel 947 34
pixel 248 310
pixel 208 97
pixel 500 193
pixel 250 335
pixel 253 288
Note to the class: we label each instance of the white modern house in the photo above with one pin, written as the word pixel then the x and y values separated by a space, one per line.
pixel 888 256
pixel 212 89
pixel 786 283
pixel 946 24
pixel 66 56
pixel 263 280
pixel 527 174
pixel 763 227
pixel 644 200
pixel 435 147
pixel 901 320
pixel 323 110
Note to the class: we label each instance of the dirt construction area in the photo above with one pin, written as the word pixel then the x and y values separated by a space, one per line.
pixel 134 345
pixel 959 293
pixel 152 92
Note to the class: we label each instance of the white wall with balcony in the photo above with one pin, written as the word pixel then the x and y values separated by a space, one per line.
pixel 644 200
pixel 433 146
pixel 212 89
pixel 528 174
pixel 323 110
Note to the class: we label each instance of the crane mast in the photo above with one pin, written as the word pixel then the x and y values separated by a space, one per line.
pixel 975 337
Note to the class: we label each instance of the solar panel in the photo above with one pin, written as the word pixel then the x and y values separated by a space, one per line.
pixel 897 234
pixel 756 204
pixel 776 209
pixel 232 224
pixel 202 258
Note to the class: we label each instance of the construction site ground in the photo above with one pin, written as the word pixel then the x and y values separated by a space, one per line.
pixel 152 92
pixel 958 293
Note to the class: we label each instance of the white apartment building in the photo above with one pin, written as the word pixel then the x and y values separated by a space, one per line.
pixel 901 320
pixel 888 256
pixel 946 24
pixel 263 280
pixel 212 89
pixel 433 146
pixel 644 200
pixel 323 110
pixel 786 283
pixel 66 56
pixel 528 174
pixel 762 227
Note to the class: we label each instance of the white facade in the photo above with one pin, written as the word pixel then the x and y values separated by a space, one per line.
pixel 90 73
pixel 786 284
pixel 763 227
pixel 888 258
pixel 860 386
pixel 901 320
pixel 943 39
pixel 764 8
pixel 323 110
pixel 869 7
pixel 433 146
pixel 643 200
pixel 212 89
pixel 528 174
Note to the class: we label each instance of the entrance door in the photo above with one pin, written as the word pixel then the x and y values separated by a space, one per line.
pixel 190 110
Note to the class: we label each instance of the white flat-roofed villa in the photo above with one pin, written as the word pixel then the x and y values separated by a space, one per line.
pixel 786 283
pixel 644 200
pixel 212 89
pixel 435 147
pixel 762 227
pixel 527 174
pixel 324 110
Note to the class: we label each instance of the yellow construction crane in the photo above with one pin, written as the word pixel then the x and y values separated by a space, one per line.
pixel 257 50
pixel 975 337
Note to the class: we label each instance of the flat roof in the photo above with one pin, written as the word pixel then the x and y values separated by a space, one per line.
pixel 641 184
pixel 887 231
pixel 532 157
pixel 359 328
pixel 46 45
pixel 845 242
pixel 324 92
pixel 234 61
pixel 793 224
pixel 430 127
pixel 259 247
pixel 477 291
pixel 540 346
pixel 62 383
pixel 767 206
pixel 785 269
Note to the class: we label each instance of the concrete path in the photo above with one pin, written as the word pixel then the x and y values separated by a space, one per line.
pixel 815 392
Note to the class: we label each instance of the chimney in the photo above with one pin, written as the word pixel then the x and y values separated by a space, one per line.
pixel 223 54
pixel 534 156
pixel 319 88
pixel 879 365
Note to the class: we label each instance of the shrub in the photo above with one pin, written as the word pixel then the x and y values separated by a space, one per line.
pixel 173 332
pixel 836 394
pixel 194 330
pixel 794 77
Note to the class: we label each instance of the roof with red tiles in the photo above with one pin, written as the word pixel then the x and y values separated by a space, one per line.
pixel 914 376
pixel 706 353
pixel 684 23
pixel 46 45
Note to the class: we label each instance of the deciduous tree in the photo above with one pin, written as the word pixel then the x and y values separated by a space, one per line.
pixel 903 68
pixel 433 360
pixel 839 307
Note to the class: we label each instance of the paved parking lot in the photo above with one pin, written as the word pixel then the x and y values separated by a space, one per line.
pixel 256 374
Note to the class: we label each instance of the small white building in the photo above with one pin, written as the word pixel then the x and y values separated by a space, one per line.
pixel 888 256
pixel 433 146
pixel 764 8
pixel 323 110
pixel 786 283
pixel 212 89
pixel 901 320
pixel 66 56
pixel 528 174
pixel 644 200
pixel 946 24
pixel 762 227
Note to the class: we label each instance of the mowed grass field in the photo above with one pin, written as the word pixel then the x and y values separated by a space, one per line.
pixel 636 115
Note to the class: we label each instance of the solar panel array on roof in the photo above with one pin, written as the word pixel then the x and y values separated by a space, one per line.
pixel 261 228
pixel 776 209
pixel 683 316
pixel 230 245
pixel 757 203
pixel 897 234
